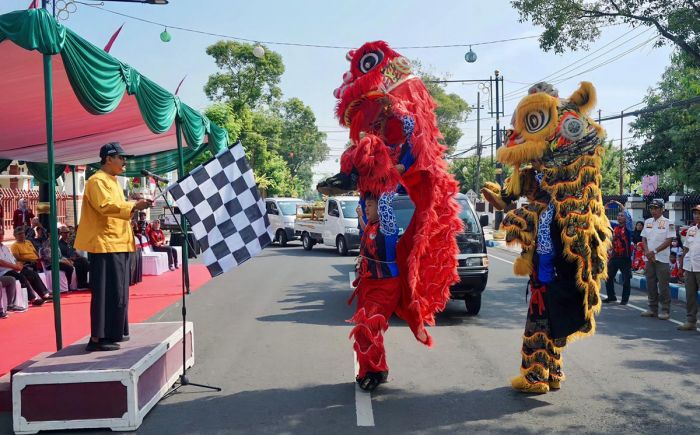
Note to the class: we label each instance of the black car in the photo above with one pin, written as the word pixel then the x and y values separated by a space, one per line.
pixel 472 261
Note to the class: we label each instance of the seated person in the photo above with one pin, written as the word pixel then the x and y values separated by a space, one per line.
pixel 8 285
pixel 64 264
pixel 638 262
pixel 81 264
pixel 24 251
pixel 39 238
pixel 27 277
pixel 157 240
pixel 673 265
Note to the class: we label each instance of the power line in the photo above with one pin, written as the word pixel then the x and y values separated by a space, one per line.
pixel 298 44
pixel 571 65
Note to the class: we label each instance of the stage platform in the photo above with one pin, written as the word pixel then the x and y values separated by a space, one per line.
pixel 75 389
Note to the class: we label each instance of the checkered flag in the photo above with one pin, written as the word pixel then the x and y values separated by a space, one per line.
pixel 225 211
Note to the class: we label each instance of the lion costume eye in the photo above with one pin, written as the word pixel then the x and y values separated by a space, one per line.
pixel 370 60
pixel 536 120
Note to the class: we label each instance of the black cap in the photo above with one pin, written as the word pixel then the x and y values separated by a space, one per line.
pixel 112 149
pixel 657 202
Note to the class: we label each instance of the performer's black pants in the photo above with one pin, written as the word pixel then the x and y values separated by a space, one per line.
pixel 624 265
pixel 30 280
pixel 109 282
pixel 172 253
pixel 66 268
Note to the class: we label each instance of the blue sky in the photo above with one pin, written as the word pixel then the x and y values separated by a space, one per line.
pixel 312 73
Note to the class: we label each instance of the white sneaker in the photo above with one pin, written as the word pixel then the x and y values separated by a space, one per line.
pixel 664 316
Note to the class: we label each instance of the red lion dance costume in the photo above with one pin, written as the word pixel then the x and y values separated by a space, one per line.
pixel 395 147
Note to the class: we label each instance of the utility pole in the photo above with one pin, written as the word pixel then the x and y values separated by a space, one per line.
pixel 499 167
pixel 478 141
pixel 622 153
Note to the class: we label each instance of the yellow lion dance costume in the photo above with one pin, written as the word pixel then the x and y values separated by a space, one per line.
pixel 555 150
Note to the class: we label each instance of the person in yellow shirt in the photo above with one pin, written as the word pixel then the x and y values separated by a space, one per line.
pixel 24 250
pixel 105 234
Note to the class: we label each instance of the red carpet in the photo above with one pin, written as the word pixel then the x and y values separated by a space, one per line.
pixel 23 335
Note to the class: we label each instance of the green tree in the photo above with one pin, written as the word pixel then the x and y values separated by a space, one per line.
pixel 611 171
pixel 451 108
pixel 464 170
pixel 301 144
pixel 574 24
pixel 671 137
pixel 245 80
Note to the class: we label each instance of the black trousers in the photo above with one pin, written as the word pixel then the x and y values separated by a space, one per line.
pixel 67 268
pixel 624 265
pixel 30 280
pixel 82 266
pixel 172 253
pixel 109 283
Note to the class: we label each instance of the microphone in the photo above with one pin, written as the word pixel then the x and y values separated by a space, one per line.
pixel 147 173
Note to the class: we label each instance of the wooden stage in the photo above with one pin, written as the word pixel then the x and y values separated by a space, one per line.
pixel 75 389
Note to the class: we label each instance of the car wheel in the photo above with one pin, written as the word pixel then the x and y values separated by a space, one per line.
pixel 282 239
pixel 473 304
pixel 342 246
pixel 306 242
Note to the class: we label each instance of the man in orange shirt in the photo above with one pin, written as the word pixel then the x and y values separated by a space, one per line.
pixel 105 234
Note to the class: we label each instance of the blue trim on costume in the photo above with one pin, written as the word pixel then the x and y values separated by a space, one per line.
pixel 389 229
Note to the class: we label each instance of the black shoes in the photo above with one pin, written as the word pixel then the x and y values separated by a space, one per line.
pixel 623 303
pixel 101 346
pixel 372 380
pixel 608 300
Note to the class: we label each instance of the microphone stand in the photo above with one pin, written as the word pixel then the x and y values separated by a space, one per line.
pixel 183 379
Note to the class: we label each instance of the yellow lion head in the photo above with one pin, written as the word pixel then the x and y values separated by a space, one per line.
pixel 550 129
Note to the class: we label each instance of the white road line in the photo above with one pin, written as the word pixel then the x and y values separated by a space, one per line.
pixel 363 400
pixel 628 304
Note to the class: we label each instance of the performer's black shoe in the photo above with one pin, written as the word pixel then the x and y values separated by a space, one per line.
pixel 101 346
pixel 372 380
pixel 608 300
pixel 119 340
pixel 623 303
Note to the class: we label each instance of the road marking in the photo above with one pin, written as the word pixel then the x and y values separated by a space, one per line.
pixel 628 304
pixel 363 400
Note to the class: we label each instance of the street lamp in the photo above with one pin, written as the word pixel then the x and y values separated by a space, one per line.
pixel 470 56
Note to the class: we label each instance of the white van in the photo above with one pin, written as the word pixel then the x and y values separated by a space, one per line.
pixel 282 213
pixel 334 224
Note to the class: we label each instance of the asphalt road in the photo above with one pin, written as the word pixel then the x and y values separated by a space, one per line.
pixel 273 335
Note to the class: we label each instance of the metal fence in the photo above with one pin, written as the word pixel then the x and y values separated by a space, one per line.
pixel 10 197
pixel 611 212
pixel 661 193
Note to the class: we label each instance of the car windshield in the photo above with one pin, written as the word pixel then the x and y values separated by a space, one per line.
pixel 403 209
pixel 288 208
pixel 349 208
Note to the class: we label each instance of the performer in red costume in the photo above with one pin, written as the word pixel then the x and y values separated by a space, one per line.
pixel 395 147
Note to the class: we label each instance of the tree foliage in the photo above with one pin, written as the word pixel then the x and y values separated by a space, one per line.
pixel 574 24
pixel 245 80
pixel 611 171
pixel 464 171
pixel 281 138
pixel 671 137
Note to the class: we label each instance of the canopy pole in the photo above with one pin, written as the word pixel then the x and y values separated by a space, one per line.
pixel 75 200
pixel 53 227
pixel 183 220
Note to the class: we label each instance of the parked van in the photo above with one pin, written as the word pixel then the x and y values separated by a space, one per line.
pixel 282 213
pixel 472 261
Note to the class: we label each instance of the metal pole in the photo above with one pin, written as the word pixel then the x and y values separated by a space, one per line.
pixel 499 168
pixel 181 173
pixel 53 228
pixel 622 131
pixel 75 201
pixel 478 141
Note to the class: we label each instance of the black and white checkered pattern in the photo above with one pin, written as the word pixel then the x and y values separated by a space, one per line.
pixel 225 210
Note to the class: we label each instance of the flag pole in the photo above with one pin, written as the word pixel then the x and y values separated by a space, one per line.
pixel 53 228
pixel 183 220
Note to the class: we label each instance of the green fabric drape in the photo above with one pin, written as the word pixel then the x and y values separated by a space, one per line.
pixel 4 164
pixel 40 171
pixel 99 81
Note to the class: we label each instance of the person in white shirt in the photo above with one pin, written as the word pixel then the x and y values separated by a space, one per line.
pixel 691 269
pixel 656 239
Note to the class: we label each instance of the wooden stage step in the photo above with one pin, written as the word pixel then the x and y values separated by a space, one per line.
pixel 75 389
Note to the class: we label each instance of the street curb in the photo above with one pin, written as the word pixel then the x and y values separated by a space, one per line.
pixel 637 281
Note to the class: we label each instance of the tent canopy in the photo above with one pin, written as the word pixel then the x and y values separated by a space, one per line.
pixel 87 81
